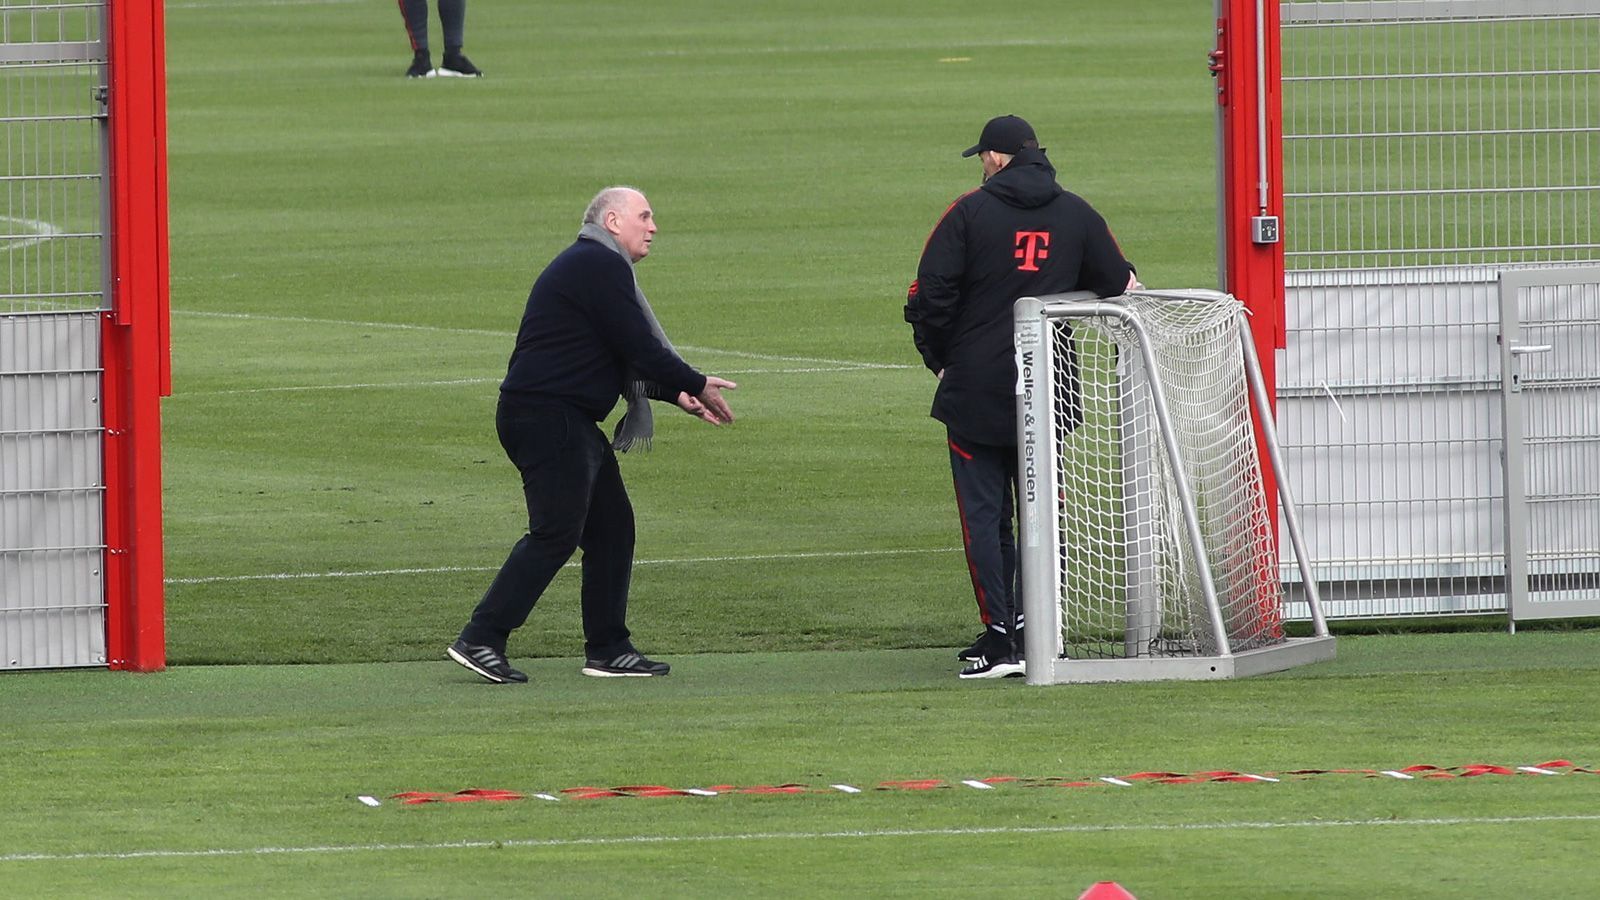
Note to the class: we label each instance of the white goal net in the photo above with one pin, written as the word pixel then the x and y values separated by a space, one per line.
pixel 1147 534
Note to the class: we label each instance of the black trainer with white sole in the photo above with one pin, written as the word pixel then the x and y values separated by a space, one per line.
pixel 631 664
pixel 999 667
pixel 456 65
pixel 485 662
pixel 421 65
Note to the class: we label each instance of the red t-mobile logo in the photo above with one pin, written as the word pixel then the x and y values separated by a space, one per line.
pixel 1032 246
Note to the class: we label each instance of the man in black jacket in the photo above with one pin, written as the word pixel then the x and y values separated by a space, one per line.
pixel 587 337
pixel 1020 234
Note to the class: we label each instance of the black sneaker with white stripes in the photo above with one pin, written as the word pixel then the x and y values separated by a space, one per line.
pixel 1010 666
pixel 631 664
pixel 485 662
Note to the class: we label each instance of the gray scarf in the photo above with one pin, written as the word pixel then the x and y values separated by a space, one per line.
pixel 637 425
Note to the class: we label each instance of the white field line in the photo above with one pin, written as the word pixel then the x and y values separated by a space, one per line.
pixel 647 839
pixel 335 387
pixel 44 231
pixel 434 570
pixel 402 385
pixel 813 49
pixel 308 320
pixel 243 4
pixel 765 357
pixel 443 329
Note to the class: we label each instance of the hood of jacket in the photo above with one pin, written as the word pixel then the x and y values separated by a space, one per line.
pixel 1027 183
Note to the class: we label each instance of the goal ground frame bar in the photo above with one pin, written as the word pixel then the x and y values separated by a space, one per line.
pixel 1041 588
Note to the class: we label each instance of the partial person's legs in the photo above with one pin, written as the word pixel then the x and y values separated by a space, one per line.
pixel 559 468
pixel 607 544
pixel 453 20
pixel 984 479
pixel 607 569
pixel 415 13
pixel 983 501
pixel 1008 546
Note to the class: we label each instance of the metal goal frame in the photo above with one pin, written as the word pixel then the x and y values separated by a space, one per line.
pixel 1038 372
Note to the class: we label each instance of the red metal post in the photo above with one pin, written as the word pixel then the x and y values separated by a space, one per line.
pixel 135 344
pixel 1248 66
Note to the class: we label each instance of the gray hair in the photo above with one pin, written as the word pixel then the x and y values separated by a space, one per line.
pixel 607 200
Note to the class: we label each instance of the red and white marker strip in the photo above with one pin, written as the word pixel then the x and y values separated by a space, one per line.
pixel 1408 773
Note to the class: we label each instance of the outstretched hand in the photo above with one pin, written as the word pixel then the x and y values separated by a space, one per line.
pixel 709 406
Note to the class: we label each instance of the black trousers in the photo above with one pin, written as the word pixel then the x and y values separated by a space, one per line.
pixel 986 497
pixel 452 17
pixel 576 500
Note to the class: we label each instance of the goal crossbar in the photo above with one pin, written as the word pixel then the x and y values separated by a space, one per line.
pixel 1132 505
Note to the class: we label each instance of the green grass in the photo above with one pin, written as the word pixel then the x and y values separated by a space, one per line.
pixel 240 758
pixel 796 160
pixel 350 255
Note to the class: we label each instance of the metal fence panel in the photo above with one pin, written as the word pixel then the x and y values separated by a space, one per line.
pixel 52 249
pixel 52 608
pixel 1552 404
pixel 1429 145
pixel 1389 408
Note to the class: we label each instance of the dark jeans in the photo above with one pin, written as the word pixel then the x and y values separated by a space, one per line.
pixel 575 501
pixel 986 484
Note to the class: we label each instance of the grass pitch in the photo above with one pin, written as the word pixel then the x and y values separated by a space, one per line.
pixel 351 251
pixel 244 779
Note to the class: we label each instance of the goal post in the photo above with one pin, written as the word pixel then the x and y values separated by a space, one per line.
pixel 1148 547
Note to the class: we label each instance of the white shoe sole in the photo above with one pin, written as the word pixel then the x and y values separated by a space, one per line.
pixel 1002 670
pixel 602 673
pixel 451 73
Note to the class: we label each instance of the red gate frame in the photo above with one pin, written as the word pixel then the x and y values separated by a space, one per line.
pixel 135 339
pixel 136 345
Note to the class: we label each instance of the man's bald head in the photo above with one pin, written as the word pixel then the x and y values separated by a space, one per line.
pixel 624 213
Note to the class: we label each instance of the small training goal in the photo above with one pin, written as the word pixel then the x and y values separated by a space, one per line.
pixel 1149 550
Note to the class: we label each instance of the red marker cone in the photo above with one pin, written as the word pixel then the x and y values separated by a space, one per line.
pixel 1106 890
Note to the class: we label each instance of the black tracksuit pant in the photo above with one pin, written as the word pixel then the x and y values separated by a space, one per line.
pixel 452 17
pixel 986 485
pixel 576 500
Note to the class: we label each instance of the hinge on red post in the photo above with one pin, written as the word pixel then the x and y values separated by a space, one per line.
pixel 1218 62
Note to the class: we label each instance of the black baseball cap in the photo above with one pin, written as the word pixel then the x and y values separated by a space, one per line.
pixel 1004 134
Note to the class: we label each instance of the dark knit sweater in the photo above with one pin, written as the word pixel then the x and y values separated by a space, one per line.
pixel 581 331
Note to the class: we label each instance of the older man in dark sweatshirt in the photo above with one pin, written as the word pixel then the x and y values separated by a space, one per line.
pixel 588 337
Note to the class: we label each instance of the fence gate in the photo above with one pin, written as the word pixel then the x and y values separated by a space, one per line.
pixel 1550 360
pixel 82 333
pixel 1438 156
pixel 52 544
